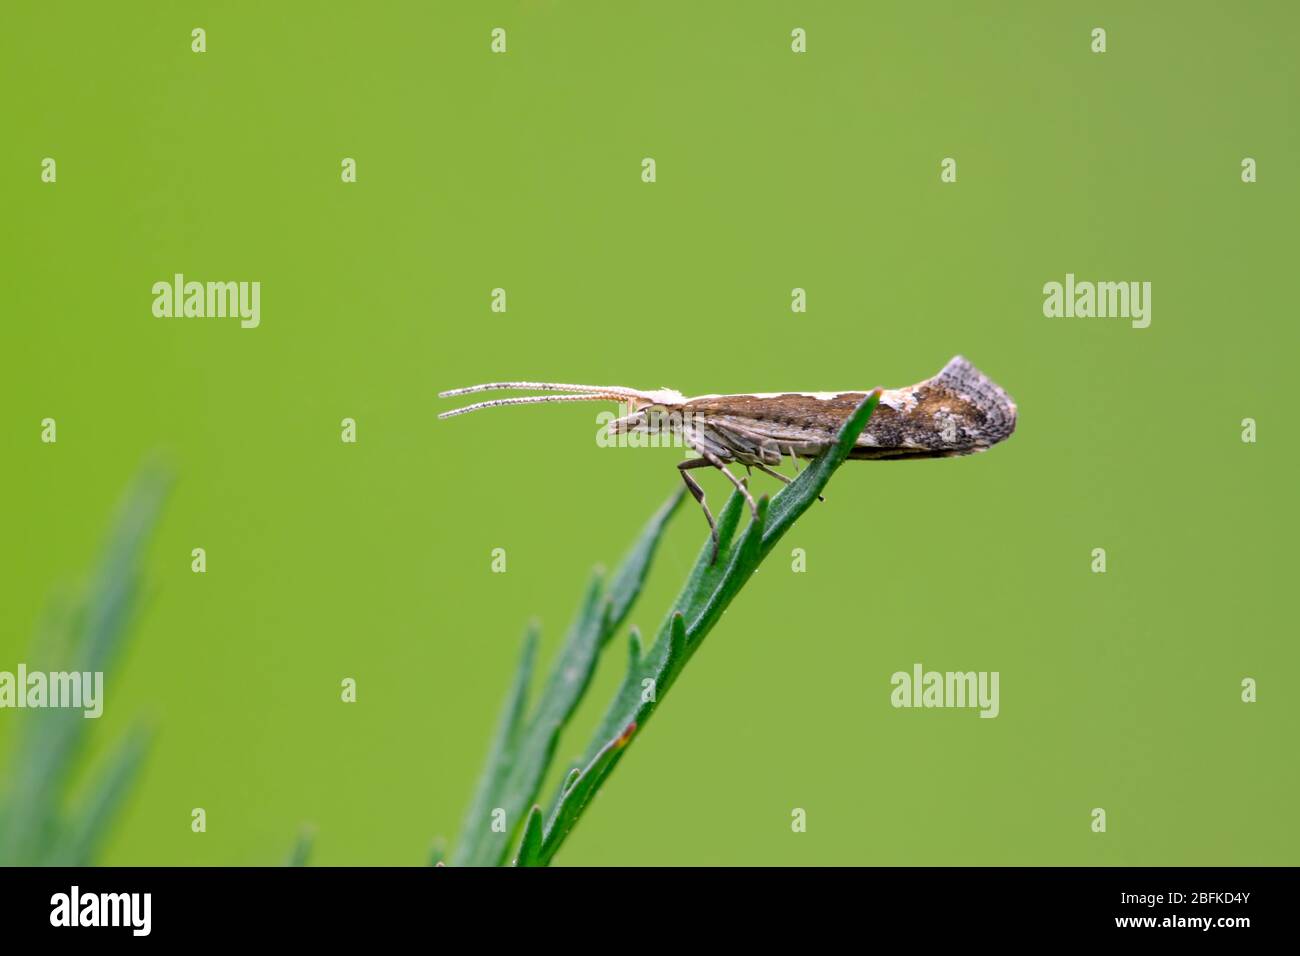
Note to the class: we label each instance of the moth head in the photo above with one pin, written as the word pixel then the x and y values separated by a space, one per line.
pixel 647 414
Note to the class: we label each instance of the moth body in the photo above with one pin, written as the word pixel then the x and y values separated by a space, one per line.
pixel 958 411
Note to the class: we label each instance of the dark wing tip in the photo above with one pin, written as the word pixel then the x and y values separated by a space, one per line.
pixel 998 408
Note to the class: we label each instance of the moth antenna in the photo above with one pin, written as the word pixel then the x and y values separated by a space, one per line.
pixel 529 400
pixel 543 387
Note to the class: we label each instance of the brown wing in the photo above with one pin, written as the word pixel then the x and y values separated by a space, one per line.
pixel 787 419
pixel 957 412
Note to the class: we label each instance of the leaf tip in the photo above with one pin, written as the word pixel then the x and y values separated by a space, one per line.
pixel 677 635
pixel 530 848
pixel 574 776
pixel 438 852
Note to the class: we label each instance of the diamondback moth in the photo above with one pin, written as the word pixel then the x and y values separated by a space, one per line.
pixel 959 411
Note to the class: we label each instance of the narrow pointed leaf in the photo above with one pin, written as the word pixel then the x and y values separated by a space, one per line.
pixel 302 847
pixel 501 756
pixel 530 848
pixel 85 832
pixel 86 637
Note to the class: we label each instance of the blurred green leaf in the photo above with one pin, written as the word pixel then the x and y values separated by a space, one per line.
pixel 438 852
pixel 302 847
pixel 88 826
pixel 85 635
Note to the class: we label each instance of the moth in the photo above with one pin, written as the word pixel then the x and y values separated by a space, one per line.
pixel 959 411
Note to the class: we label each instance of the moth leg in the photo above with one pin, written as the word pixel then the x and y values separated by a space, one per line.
pixel 775 474
pixel 794 460
pixel 698 494
pixel 719 464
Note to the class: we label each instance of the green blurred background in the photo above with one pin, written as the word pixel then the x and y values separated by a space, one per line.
pixel 775 170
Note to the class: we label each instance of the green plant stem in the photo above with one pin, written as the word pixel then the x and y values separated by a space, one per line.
pixel 707 594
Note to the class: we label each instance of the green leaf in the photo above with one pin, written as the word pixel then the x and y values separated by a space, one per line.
pixel 538 847
pixel 514 773
pixel 438 852
pixel 530 848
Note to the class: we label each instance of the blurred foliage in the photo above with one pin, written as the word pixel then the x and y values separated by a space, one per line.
pixel 43 820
